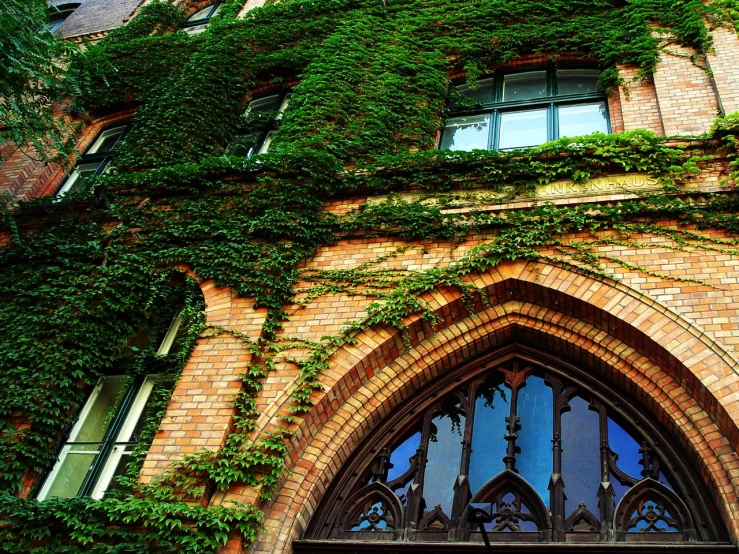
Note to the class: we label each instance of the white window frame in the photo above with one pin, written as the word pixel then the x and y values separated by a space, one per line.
pixel 112 450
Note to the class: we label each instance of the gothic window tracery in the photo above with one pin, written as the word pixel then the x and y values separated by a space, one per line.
pixel 552 458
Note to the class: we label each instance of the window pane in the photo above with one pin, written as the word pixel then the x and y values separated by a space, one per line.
pixel 534 409
pixel 196 29
pixel 200 14
pixel 267 104
pixel 482 91
pixel 582 119
pixel 243 146
pixel 522 129
pixel 525 86
pixel 267 142
pixel 466 133
pixel 444 457
pixel 80 177
pixel 623 444
pixel 72 472
pixel 54 24
pixel 119 470
pixel 100 413
pixel 581 456
pixel 400 458
pixel 107 141
pixel 577 81
pixel 488 445
pixel 284 105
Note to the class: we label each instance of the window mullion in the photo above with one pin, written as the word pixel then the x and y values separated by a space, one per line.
pixel 120 442
pixel 553 122
pixel 106 445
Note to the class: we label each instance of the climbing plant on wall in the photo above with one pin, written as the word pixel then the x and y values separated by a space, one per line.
pixel 370 81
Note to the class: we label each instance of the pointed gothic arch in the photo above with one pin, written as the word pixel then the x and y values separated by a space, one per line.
pixel 575 319
pixel 524 507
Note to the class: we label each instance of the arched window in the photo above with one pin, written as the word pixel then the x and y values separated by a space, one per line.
pixel 526 108
pixel 198 21
pixel 546 453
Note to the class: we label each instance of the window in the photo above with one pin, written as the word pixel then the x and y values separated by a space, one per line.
pixel 58 15
pixel 263 117
pixel 106 433
pixel 198 21
pixel 520 110
pixel 93 162
pixel 551 454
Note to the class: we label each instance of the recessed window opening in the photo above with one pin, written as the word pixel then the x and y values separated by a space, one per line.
pixel 265 114
pixel 198 21
pixel 94 161
pixel 106 433
pixel 525 109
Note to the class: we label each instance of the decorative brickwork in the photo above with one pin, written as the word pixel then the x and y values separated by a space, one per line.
pixel 687 101
pixel 686 380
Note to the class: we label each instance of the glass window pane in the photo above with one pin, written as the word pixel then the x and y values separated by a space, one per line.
pixel 107 141
pixel 525 86
pixel 72 472
pixel 492 406
pixel 581 456
pixel 119 470
pixel 100 412
pixel 577 81
pixel 267 142
pixel 522 129
pixel 444 457
pixel 623 444
pixel 402 453
pixel 482 91
pixel 284 105
pixel 80 177
pixel 582 119
pixel 200 14
pixel 244 146
pixel 535 414
pixel 266 104
pixel 466 133
pixel 196 29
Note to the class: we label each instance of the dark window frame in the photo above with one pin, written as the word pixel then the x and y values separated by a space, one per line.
pixel 212 10
pixel 260 140
pixel 100 158
pixel 551 103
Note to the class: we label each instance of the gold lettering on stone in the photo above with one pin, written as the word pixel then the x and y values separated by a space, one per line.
pixel 610 184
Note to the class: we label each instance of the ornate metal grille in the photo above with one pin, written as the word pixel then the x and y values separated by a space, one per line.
pixel 556 455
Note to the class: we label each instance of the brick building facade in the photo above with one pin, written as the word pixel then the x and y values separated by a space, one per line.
pixel 660 326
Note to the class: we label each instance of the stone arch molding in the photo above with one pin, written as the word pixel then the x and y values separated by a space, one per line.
pixel 670 367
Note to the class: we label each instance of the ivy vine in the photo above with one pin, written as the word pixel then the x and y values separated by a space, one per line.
pixel 370 81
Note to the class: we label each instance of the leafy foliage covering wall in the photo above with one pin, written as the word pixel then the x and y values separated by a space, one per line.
pixel 370 80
